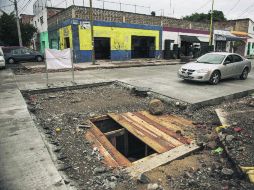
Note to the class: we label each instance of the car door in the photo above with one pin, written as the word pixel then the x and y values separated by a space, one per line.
pixel 239 65
pixel 16 54
pixel 27 54
pixel 228 67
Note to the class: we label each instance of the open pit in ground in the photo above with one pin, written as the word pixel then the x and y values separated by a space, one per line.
pixel 58 115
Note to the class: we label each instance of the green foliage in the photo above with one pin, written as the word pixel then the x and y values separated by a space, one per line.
pixel 203 17
pixel 9 32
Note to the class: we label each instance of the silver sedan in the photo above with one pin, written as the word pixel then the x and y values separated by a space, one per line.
pixel 213 67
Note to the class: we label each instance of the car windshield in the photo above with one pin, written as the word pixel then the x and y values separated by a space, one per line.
pixel 211 59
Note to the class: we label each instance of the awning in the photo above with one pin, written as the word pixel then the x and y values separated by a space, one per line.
pixel 191 39
pixel 203 39
pixel 241 34
pixel 221 37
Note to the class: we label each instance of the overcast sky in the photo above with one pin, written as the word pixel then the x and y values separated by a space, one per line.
pixel 232 9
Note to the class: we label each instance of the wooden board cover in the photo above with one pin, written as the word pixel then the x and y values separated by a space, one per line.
pixel 161 133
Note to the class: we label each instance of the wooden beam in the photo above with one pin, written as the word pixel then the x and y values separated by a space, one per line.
pixel 126 143
pixel 99 118
pixel 116 133
pixel 110 149
pixel 140 133
pixel 148 164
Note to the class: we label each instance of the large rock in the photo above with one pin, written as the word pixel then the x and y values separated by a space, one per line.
pixel 143 179
pixel 156 107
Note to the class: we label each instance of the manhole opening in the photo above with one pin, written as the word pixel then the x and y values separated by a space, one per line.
pixel 125 142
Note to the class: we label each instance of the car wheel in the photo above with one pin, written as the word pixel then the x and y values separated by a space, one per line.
pixel 38 58
pixel 244 74
pixel 11 61
pixel 215 78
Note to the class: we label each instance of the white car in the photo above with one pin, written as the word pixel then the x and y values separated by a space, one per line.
pixel 2 60
pixel 212 67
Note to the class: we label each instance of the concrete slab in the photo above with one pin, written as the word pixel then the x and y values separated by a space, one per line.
pixel 161 79
pixel 24 160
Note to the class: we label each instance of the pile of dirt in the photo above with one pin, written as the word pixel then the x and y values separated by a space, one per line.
pixel 59 115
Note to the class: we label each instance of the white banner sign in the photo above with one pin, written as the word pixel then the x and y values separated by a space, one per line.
pixel 85 25
pixel 58 59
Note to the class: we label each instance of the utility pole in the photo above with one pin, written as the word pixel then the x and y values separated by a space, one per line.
pixel 18 25
pixel 92 32
pixel 211 26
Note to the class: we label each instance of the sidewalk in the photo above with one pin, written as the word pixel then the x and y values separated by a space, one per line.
pixel 25 163
pixel 103 64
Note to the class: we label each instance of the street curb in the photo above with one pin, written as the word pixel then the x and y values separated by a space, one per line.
pixel 61 88
pixel 77 68
pixel 241 170
pixel 219 100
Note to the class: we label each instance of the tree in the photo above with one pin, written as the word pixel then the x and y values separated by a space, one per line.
pixel 217 15
pixel 203 17
pixel 9 32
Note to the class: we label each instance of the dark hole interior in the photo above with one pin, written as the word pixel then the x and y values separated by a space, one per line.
pixel 134 149
pixel 107 125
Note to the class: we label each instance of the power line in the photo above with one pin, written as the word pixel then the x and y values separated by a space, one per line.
pixel 6 6
pixel 233 7
pixel 24 7
pixel 245 10
pixel 202 6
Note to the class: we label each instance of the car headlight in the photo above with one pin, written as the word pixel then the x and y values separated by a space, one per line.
pixel 203 71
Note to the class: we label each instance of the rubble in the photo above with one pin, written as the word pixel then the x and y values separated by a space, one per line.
pixel 156 107
pixel 86 167
pixel 143 179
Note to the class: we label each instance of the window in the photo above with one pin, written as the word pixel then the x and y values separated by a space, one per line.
pixel 211 59
pixel 16 52
pixel 237 58
pixel 41 19
pixel 253 45
pixel 229 59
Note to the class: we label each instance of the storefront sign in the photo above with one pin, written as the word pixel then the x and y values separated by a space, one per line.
pixel 85 25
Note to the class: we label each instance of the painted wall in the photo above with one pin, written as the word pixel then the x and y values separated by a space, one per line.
pixel 40 21
pixel 64 33
pixel 120 40
pixel 44 41
pixel 119 34
pixel 53 36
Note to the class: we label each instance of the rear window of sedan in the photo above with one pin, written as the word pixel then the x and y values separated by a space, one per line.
pixel 211 59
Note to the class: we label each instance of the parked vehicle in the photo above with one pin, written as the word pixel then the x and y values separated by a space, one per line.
pixel 213 67
pixel 2 60
pixel 16 54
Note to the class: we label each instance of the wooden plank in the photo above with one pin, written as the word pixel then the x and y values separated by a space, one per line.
pixel 148 164
pixel 166 130
pixel 126 143
pixel 144 159
pixel 149 133
pixel 108 159
pixel 160 134
pixel 99 118
pixel 115 133
pixel 222 115
pixel 164 121
pixel 113 141
pixel 140 134
pixel 109 147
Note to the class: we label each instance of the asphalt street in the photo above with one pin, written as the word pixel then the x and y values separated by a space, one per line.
pixel 160 79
